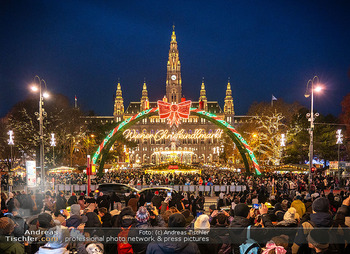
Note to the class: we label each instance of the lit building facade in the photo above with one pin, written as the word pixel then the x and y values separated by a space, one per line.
pixel 197 136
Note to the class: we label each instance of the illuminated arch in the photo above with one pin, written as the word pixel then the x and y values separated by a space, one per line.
pixel 242 145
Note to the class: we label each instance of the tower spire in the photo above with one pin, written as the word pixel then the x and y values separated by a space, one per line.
pixel 173 80
pixel 118 103
pixel 229 107
pixel 203 97
pixel 144 98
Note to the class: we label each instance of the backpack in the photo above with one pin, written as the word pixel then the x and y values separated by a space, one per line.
pixel 124 247
pixel 250 246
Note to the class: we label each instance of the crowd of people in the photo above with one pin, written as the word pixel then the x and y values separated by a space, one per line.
pixel 275 214
pixel 205 177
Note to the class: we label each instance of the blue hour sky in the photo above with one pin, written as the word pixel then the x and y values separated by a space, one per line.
pixel 266 47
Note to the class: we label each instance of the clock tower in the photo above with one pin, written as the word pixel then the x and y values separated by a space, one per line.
pixel 173 79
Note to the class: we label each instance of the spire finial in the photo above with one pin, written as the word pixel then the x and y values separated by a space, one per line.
pixel 173 26
pixel 173 36
pixel 144 84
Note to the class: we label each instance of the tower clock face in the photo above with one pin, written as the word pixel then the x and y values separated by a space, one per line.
pixel 173 77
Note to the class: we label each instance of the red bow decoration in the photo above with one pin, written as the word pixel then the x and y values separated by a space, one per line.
pixel 173 112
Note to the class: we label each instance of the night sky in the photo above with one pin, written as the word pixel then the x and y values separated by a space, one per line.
pixel 266 47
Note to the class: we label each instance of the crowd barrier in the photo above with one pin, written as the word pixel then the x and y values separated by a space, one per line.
pixel 179 188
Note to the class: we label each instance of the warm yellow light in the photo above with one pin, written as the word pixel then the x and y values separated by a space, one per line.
pixel 46 95
pixel 34 88
pixel 255 135
pixel 318 89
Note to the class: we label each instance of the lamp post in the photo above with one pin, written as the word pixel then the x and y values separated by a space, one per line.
pixel 311 116
pixel 41 114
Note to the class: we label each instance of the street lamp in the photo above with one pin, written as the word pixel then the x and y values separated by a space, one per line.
pixel 37 86
pixel 311 116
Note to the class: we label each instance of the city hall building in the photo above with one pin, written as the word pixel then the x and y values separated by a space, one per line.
pixel 194 140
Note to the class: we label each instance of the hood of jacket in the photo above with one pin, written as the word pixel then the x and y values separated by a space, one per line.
pixel 321 219
pixel 173 247
pixel 240 222
pixel 73 221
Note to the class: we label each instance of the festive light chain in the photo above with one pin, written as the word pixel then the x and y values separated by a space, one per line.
pixel 198 111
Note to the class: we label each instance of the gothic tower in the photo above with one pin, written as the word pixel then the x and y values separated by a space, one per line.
pixel 118 104
pixel 228 107
pixel 173 79
pixel 203 97
pixel 144 98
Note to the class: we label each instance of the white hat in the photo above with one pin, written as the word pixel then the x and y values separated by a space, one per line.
pixel 291 214
pixel 202 222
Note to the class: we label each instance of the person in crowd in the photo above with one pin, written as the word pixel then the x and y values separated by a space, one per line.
pixel 157 200
pixel 114 200
pixel 61 202
pixel 320 218
pixel 39 200
pixel 3 201
pixel 299 205
pixel 6 229
pixel 21 225
pixel 134 198
pixel 277 245
pixel 57 242
pixel 176 220
pixel 75 218
pixel 103 201
pixel 72 200
pixel 318 241
pixel 106 217
pixel 81 202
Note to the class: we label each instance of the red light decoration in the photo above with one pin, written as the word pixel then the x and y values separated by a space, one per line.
pixel 174 112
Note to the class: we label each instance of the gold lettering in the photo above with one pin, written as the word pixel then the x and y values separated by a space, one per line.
pixel 164 134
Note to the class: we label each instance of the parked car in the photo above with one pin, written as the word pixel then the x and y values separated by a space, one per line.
pixel 163 192
pixel 118 188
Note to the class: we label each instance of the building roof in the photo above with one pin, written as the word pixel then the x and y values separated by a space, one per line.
pixel 135 107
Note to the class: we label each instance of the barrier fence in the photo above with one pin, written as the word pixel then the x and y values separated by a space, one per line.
pixel 180 188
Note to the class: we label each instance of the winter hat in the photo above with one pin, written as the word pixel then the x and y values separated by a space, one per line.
pixel 45 220
pixel 176 220
pixel 94 248
pixel 212 207
pixel 320 205
pixel 319 238
pixel 57 237
pixel 6 226
pixel 291 214
pixel 202 222
pixel 241 210
pixel 75 209
pixel 142 215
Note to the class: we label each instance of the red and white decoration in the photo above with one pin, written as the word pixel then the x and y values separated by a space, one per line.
pixel 174 112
